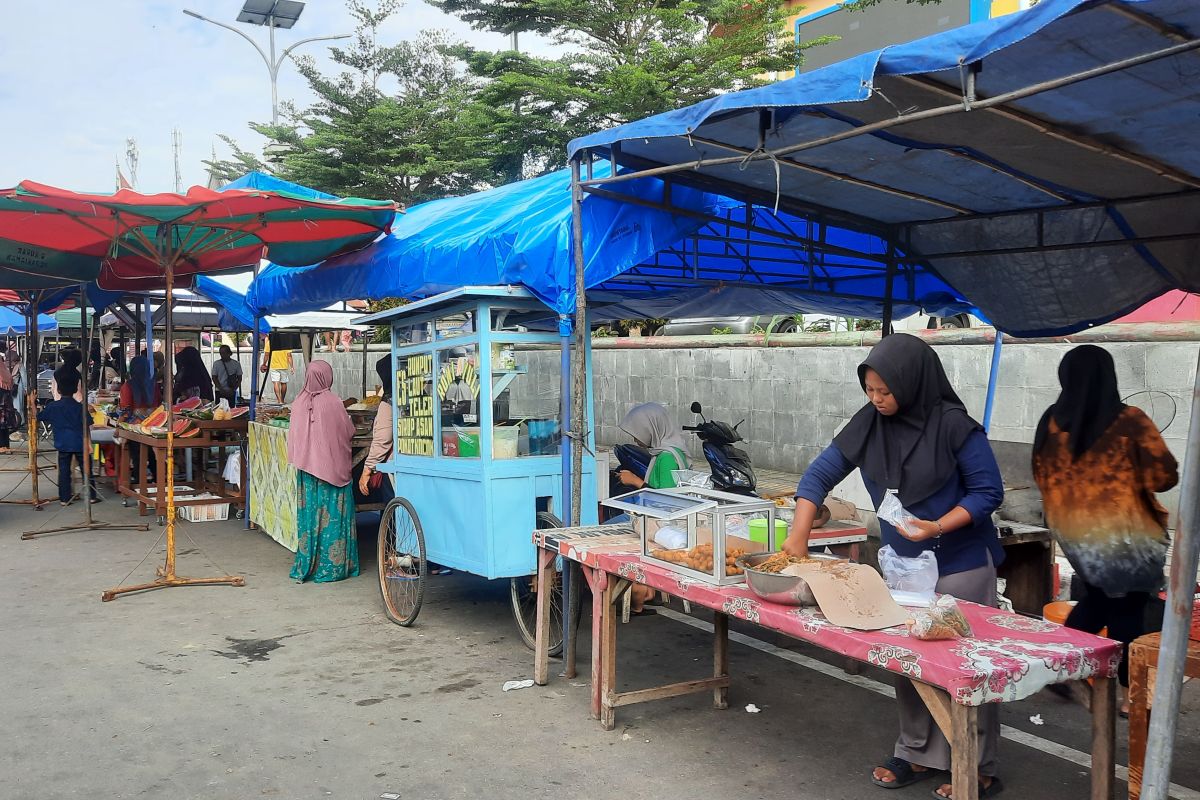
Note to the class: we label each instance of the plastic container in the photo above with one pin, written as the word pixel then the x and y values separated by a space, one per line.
pixel 208 512
pixel 1059 610
pixel 758 532
pixel 461 442
pixel 505 441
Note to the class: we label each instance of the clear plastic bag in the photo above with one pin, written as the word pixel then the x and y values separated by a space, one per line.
pixel 891 511
pixel 918 574
pixel 942 620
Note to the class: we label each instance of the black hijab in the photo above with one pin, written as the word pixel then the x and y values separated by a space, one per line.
pixel 383 367
pixel 915 450
pixel 1089 402
pixel 192 374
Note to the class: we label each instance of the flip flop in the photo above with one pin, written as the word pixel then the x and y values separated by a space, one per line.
pixel 905 774
pixel 994 788
pixel 645 612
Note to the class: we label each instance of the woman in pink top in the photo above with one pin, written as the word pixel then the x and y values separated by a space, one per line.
pixel 318 446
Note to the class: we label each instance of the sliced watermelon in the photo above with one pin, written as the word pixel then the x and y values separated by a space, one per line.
pixel 189 404
pixel 238 411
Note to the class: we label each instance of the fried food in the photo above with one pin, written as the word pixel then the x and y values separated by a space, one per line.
pixel 700 558
pixel 781 561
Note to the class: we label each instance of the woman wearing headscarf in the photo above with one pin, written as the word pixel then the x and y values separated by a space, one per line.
pixel 72 359
pixel 915 438
pixel 1098 464
pixel 381 434
pixel 318 445
pixel 138 395
pixel 10 420
pixel 191 376
pixel 651 427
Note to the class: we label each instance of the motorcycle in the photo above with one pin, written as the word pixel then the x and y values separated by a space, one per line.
pixel 731 470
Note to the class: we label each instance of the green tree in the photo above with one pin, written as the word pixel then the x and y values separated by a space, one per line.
pixel 624 60
pixel 399 122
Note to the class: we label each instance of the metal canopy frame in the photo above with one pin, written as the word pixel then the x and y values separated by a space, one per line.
pixel 900 254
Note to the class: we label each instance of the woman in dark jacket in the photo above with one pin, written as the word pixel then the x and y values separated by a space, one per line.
pixel 191 376
pixel 915 438
pixel 1098 464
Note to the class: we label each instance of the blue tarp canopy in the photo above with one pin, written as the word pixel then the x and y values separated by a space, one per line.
pixel 1065 197
pixel 12 322
pixel 640 260
pixel 233 312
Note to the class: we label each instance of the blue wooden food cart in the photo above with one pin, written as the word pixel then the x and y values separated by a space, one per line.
pixel 477 459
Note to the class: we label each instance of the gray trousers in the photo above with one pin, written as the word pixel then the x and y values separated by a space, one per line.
pixel 921 740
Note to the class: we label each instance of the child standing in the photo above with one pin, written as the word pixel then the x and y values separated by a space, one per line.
pixel 65 415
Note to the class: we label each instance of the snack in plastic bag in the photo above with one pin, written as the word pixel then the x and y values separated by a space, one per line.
pixel 891 511
pixel 918 575
pixel 942 620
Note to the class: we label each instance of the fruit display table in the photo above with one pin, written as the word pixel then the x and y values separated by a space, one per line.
pixel 206 452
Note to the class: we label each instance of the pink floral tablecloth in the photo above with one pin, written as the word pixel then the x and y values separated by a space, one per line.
pixel 1009 657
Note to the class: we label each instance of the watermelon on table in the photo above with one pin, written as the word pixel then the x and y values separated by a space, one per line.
pixel 188 405
pixel 238 411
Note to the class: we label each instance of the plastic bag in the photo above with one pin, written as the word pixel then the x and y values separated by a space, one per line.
pixel 918 575
pixel 891 511
pixel 942 620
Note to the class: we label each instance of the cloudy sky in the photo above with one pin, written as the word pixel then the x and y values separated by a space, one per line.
pixel 80 77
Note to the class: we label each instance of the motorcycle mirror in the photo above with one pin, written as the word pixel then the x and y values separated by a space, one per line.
pixel 696 408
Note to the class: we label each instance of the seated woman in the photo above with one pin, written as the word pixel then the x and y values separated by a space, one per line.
pixel 651 427
pixel 191 376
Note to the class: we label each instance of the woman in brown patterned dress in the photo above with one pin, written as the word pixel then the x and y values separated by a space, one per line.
pixel 1099 464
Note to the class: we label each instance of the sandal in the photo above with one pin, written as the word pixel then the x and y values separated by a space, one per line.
pixel 645 612
pixel 991 790
pixel 905 774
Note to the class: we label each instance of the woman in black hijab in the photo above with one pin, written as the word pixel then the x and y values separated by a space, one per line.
pixel 191 376
pixel 1098 464
pixel 915 439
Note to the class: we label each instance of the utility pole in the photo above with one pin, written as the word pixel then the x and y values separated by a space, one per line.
pixel 176 146
pixel 279 15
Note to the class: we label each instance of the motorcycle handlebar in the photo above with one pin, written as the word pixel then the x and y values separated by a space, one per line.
pixel 691 427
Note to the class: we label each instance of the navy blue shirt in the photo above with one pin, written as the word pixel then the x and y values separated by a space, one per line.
pixel 977 487
pixel 66 417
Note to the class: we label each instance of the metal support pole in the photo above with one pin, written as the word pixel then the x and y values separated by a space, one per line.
pixel 579 420
pixel 993 378
pixel 366 341
pixel 1177 625
pixel 564 333
pixel 889 290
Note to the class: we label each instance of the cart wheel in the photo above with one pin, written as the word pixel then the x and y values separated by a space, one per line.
pixel 523 592
pixel 400 555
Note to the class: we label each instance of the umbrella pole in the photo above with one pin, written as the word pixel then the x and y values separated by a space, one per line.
pixel 166 573
pixel 89 523
pixel 32 467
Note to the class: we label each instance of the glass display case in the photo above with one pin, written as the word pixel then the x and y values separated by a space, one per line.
pixel 684 529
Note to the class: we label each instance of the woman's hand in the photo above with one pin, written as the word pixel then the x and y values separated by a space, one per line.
pixel 921 530
pixel 362 482
pixel 629 479
pixel 795 545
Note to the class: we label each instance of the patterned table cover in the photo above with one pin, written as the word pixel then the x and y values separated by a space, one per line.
pixel 1010 657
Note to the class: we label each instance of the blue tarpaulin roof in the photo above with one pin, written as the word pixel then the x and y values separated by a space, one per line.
pixel 641 261
pixel 12 322
pixel 1007 201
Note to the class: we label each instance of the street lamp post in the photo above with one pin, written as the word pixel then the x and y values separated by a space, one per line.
pixel 272 14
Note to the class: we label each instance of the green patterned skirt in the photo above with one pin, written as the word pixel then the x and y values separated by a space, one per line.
pixel 327 547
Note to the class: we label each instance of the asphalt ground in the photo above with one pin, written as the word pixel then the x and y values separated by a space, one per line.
pixel 307 691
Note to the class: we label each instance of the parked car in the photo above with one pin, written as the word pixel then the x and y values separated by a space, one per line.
pixel 709 326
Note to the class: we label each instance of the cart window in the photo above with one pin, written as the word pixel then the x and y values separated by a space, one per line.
pixel 506 319
pixel 458 397
pixel 525 401
pixel 462 324
pixel 414 403
pixel 411 334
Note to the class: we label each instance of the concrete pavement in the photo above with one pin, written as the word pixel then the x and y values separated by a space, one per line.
pixel 307 691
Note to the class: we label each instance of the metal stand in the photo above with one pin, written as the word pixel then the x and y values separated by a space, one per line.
pixel 88 524
pixel 166 573
pixel 31 358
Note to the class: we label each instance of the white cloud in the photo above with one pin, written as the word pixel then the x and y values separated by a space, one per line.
pixel 80 77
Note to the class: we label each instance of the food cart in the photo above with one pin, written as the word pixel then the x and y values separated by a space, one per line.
pixel 478 446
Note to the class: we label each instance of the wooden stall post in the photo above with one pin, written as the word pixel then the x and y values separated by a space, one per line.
pixel 721 658
pixel 545 588
pixel 964 751
pixel 599 586
pixel 1104 734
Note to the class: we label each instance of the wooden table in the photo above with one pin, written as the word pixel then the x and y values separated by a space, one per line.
pixel 1143 669
pixel 151 493
pixel 1009 658
pixel 1028 566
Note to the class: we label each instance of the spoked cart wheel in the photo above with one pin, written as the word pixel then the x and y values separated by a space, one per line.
pixel 523 591
pixel 401 558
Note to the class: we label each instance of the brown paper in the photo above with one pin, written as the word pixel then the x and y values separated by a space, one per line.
pixel 852 596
